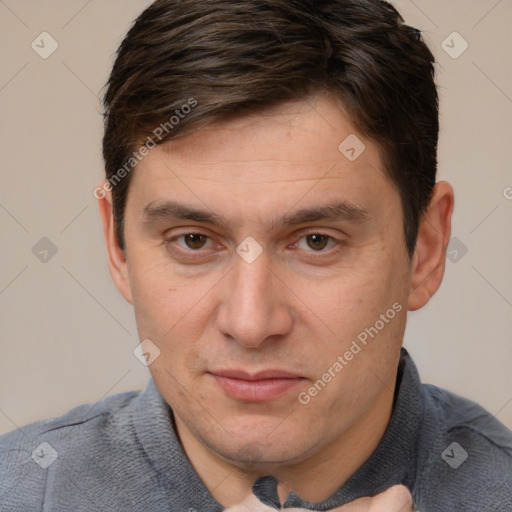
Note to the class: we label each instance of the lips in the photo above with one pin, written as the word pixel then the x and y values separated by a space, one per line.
pixel 261 386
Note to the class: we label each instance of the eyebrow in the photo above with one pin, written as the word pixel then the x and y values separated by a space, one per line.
pixel 336 211
pixel 333 211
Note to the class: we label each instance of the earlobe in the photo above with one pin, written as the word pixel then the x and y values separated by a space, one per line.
pixel 428 262
pixel 116 258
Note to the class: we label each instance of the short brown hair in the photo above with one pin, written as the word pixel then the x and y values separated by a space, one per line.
pixel 235 56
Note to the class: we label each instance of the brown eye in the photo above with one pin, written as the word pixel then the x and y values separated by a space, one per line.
pixel 195 240
pixel 317 242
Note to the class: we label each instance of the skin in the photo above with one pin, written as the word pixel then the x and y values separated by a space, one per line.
pixel 297 307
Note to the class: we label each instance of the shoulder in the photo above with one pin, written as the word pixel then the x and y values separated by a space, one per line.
pixel 28 453
pixel 85 417
pixel 464 455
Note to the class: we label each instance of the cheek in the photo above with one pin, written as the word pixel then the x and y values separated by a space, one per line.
pixel 359 317
pixel 354 299
pixel 167 306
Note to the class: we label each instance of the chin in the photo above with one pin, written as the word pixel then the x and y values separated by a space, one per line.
pixel 262 454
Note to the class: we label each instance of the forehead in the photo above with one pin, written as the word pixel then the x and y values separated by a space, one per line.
pixel 304 146
pixel 295 132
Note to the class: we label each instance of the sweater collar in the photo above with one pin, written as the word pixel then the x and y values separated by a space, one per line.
pixel 393 461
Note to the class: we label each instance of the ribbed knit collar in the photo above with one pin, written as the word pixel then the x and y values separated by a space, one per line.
pixel 393 461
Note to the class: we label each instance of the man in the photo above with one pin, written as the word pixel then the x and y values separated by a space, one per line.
pixel 271 211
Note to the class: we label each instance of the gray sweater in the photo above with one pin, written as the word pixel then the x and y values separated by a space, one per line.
pixel 122 454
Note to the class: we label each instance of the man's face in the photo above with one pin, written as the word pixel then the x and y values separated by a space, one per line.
pixel 243 341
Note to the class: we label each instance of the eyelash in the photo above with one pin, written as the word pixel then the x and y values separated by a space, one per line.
pixel 337 243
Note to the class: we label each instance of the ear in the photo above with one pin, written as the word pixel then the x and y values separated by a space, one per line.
pixel 116 257
pixel 428 261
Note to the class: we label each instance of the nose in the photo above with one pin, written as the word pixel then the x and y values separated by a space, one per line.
pixel 254 306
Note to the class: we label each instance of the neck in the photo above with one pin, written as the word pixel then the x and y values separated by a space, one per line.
pixel 332 466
